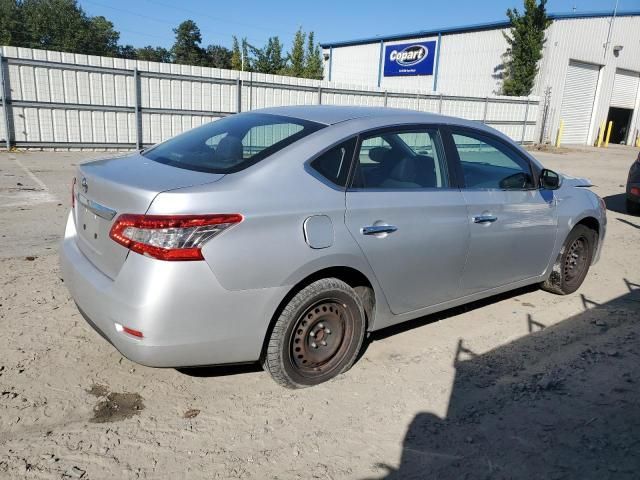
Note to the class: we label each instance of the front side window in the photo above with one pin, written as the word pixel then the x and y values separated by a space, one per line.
pixel 401 160
pixel 486 164
pixel 232 143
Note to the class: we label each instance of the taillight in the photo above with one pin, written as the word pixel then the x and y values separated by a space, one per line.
pixel 73 193
pixel 170 237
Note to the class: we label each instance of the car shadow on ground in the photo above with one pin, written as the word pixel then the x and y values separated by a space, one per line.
pixel 220 370
pixel 616 203
pixel 560 403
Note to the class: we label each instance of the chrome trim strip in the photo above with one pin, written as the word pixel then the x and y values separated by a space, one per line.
pixel 95 208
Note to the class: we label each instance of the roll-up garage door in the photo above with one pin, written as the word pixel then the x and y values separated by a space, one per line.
pixel 577 101
pixel 625 89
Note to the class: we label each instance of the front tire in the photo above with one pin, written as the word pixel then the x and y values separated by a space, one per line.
pixel 317 336
pixel 573 262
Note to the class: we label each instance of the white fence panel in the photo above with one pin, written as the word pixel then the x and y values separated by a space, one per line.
pixel 75 101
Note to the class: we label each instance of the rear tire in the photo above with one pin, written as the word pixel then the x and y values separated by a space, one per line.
pixel 573 262
pixel 317 336
pixel 633 207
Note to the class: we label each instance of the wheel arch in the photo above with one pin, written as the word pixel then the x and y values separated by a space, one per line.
pixel 590 222
pixel 353 277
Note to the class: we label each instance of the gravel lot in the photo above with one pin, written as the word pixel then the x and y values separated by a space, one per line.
pixel 526 385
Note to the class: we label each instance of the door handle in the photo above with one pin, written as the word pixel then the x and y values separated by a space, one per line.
pixel 378 229
pixel 485 219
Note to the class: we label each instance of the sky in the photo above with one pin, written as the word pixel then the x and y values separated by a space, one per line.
pixel 150 22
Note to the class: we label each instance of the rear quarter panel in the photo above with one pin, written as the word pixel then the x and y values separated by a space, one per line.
pixel 268 249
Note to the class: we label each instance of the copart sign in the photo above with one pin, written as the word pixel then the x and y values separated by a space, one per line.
pixel 409 59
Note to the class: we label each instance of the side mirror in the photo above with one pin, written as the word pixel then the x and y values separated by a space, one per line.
pixel 550 180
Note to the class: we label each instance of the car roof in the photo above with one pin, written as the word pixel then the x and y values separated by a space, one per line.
pixel 332 114
pixel 377 116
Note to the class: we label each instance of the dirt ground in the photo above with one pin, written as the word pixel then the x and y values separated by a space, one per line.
pixel 526 385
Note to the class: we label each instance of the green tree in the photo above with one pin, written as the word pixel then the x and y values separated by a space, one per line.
pixel 525 42
pixel 236 55
pixel 296 56
pixel 269 59
pixel 217 56
pixel 313 61
pixel 101 36
pixel 246 60
pixel 11 29
pixel 63 25
pixel 153 54
pixel 127 51
pixel 186 49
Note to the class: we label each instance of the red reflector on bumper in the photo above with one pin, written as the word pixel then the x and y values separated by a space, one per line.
pixel 635 191
pixel 129 331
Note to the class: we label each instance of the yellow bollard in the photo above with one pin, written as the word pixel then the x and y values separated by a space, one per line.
pixel 559 137
pixel 606 142
pixel 601 134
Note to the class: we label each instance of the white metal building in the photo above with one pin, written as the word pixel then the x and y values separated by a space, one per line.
pixel 590 66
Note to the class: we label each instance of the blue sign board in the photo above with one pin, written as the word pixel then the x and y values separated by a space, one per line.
pixel 409 59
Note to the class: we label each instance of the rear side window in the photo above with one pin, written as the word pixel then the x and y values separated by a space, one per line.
pixel 334 163
pixel 232 143
pixel 487 164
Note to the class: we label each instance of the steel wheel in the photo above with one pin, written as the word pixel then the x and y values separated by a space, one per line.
pixel 573 262
pixel 576 259
pixel 317 336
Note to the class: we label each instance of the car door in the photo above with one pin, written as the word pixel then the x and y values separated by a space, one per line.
pixel 407 218
pixel 513 223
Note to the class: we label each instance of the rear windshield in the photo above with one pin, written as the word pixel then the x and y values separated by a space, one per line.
pixel 232 143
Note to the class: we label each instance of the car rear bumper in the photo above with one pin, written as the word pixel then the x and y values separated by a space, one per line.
pixel 187 318
pixel 633 192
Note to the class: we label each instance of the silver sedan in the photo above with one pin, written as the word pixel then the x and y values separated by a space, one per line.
pixel 284 235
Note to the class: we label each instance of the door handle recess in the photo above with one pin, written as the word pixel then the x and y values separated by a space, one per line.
pixel 485 219
pixel 378 229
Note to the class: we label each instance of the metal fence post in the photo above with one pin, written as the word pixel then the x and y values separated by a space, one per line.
pixel 524 123
pixel 486 107
pixel 319 94
pixel 440 104
pixel 250 90
pixel 386 96
pixel 239 92
pixel 4 89
pixel 137 103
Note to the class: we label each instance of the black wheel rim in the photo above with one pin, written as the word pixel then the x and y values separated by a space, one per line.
pixel 575 262
pixel 320 337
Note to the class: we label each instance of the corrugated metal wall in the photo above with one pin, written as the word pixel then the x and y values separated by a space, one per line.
pixel 470 64
pixel 79 101
pixel 467 64
pixel 583 40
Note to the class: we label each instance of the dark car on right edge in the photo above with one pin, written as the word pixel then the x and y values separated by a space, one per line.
pixel 633 188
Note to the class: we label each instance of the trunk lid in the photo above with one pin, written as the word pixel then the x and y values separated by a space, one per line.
pixel 128 184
